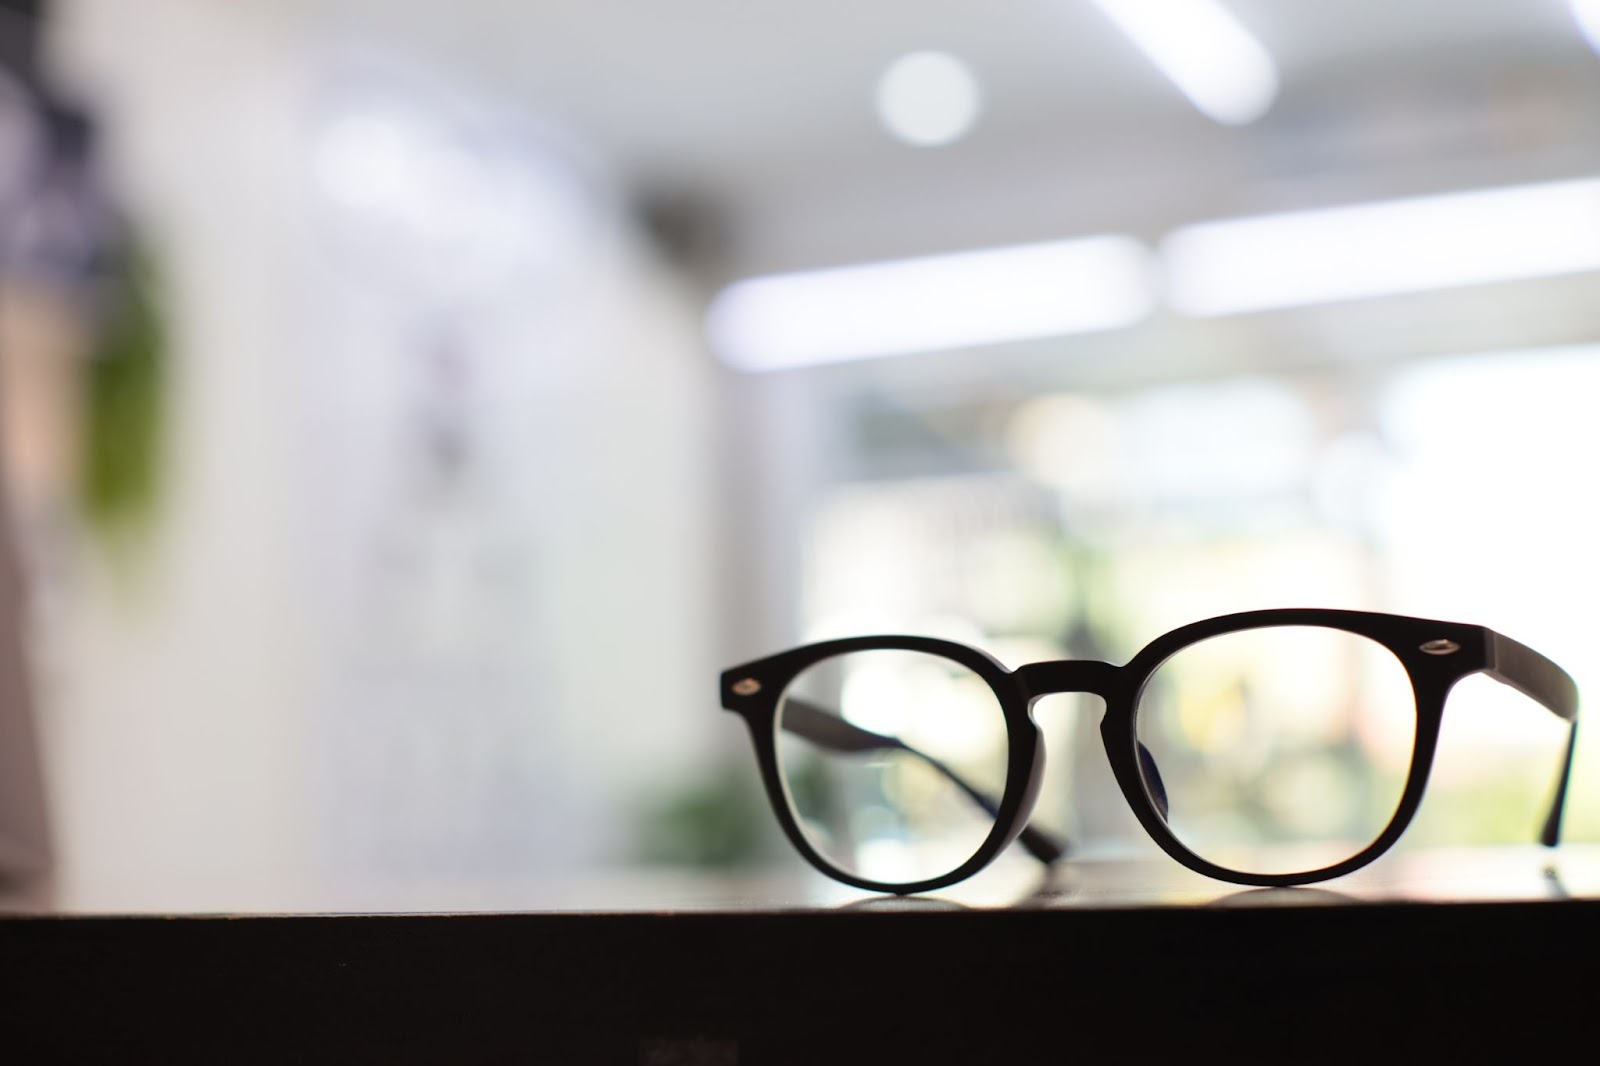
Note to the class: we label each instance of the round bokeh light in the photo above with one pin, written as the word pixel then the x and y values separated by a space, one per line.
pixel 928 98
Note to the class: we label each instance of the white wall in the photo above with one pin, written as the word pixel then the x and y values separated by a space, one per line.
pixel 330 683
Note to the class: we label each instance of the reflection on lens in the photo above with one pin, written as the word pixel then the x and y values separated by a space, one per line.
pixel 893 762
pixel 1280 750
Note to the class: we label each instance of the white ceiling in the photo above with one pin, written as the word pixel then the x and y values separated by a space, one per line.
pixel 764 107
pixel 726 80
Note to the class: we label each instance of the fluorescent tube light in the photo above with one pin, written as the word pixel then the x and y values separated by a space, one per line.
pixel 1377 249
pixel 1586 13
pixel 935 303
pixel 1205 51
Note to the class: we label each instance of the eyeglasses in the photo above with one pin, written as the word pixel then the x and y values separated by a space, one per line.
pixel 1268 748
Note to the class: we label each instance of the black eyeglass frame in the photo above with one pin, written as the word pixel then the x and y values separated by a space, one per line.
pixel 1436 655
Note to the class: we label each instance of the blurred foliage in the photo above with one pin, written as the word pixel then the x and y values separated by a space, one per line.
pixel 1505 805
pixel 817 792
pixel 124 404
pixel 722 822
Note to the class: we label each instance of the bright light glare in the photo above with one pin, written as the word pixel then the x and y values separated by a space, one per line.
pixel 1240 439
pixel 1397 246
pixel 1586 13
pixel 928 98
pixel 878 696
pixel 931 304
pixel 1205 51
pixel 1521 421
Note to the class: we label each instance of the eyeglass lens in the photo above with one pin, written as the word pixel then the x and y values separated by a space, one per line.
pixel 892 762
pixel 1279 750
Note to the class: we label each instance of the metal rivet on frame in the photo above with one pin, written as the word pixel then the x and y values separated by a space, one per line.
pixel 746 686
pixel 1441 647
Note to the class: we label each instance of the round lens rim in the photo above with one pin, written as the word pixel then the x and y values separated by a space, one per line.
pixel 780 742
pixel 770 677
pixel 1431 680
pixel 1364 854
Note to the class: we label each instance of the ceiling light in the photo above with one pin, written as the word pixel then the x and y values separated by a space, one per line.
pixel 1377 249
pixel 935 303
pixel 928 98
pixel 1587 15
pixel 1205 51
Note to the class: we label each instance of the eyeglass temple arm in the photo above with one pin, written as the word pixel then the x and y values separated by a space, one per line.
pixel 831 731
pixel 1514 663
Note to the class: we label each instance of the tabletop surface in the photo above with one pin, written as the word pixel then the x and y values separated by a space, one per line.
pixel 1511 874
pixel 1431 952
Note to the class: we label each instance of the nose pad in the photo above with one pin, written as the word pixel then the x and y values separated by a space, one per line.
pixel 1152 779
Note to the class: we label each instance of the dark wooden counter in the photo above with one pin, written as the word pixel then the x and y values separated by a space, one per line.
pixel 1401 966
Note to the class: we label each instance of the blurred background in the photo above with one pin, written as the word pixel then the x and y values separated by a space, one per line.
pixel 409 408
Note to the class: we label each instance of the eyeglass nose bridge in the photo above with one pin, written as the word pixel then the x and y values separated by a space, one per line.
pixel 1068 675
